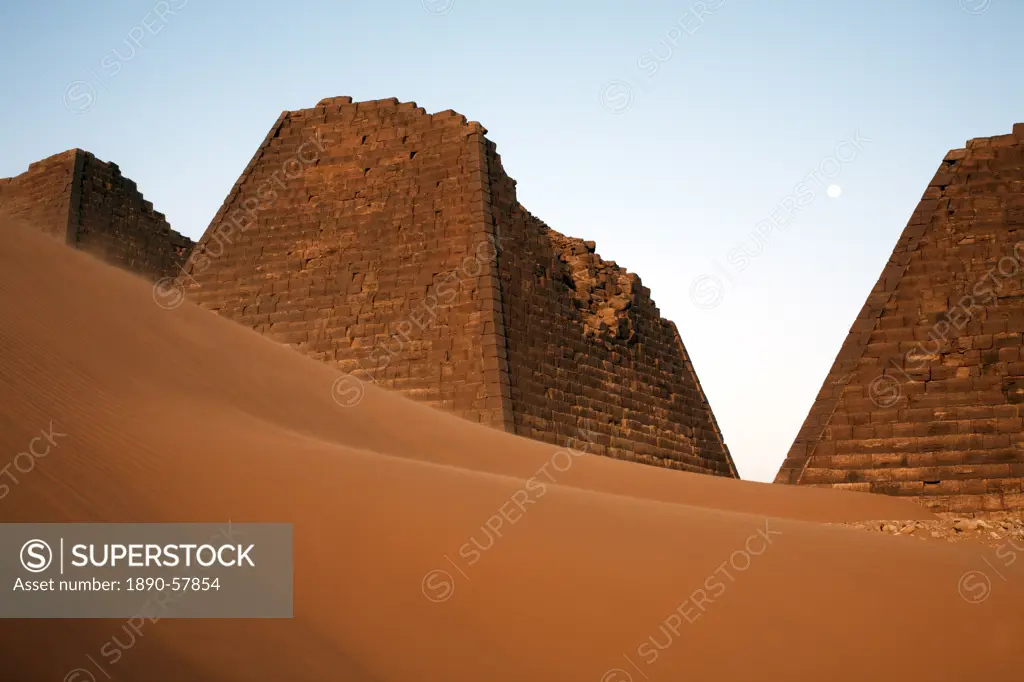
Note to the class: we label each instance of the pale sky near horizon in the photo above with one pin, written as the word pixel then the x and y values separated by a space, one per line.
pixel 666 131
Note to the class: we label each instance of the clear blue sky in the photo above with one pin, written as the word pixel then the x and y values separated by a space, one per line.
pixel 727 114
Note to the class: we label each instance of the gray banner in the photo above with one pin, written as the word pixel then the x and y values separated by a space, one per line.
pixel 149 570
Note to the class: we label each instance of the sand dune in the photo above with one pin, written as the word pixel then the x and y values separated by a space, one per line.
pixel 428 548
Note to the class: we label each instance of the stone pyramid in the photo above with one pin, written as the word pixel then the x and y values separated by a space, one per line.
pixel 926 396
pixel 88 203
pixel 390 242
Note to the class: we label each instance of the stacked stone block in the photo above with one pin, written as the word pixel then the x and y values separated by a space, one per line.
pixel 41 196
pixel 114 222
pixel 356 235
pixel 926 396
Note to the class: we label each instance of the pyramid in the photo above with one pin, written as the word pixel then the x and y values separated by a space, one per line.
pixel 88 203
pixel 389 242
pixel 926 396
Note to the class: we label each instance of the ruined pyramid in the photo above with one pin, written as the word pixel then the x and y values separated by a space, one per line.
pixel 389 242
pixel 926 396
pixel 88 203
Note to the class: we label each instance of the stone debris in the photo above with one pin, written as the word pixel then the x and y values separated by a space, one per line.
pixel 994 531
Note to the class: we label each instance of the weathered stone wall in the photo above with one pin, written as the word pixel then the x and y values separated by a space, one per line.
pixel 926 397
pixel 356 234
pixel 389 242
pixel 592 363
pixel 90 205
pixel 41 196
pixel 115 222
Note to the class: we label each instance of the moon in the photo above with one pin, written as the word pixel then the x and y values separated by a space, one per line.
pixel 834 191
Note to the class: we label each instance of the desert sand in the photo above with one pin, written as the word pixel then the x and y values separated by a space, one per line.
pixel 431 549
